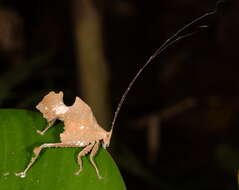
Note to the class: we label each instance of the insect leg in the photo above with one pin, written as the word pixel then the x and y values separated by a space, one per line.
pixel 37 151
pixel 92 154
pixel 50 124
pixel 85 151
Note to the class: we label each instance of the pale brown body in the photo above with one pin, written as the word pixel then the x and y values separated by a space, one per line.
pixel 80 128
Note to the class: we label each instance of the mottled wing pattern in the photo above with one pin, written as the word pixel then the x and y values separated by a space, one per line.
pixel 80 124
pixel 80 136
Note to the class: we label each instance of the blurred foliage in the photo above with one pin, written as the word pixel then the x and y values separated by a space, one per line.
pixel 18 74
pixel 227 157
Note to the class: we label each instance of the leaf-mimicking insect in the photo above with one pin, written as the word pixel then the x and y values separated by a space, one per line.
pixel 80 126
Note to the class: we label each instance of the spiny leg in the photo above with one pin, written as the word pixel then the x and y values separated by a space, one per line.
pixel 37 151
pixel 85 151
pixel 92 154
pixel 50 124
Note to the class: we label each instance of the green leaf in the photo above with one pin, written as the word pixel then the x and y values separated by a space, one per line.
pixel 55 167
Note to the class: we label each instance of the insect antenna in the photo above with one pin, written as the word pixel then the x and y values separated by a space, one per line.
pixel 169 42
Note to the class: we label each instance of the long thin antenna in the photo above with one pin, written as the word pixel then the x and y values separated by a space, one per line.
pixel 169 42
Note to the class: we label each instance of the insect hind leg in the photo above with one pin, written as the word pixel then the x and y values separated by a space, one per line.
pixel 92 154
pixel 85 151
pixel 37 152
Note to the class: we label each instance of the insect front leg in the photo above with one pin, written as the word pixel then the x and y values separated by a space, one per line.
pixel 50 124
pixel 85 151
pixel 37 151
pixel 92 154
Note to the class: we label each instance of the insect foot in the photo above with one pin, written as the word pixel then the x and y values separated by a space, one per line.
pixel 50 124
pixel 80 129
pixel 40 132
pixel 21 174
pixel 78 172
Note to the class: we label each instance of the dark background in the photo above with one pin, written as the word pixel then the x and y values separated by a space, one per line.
pixel 197 148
